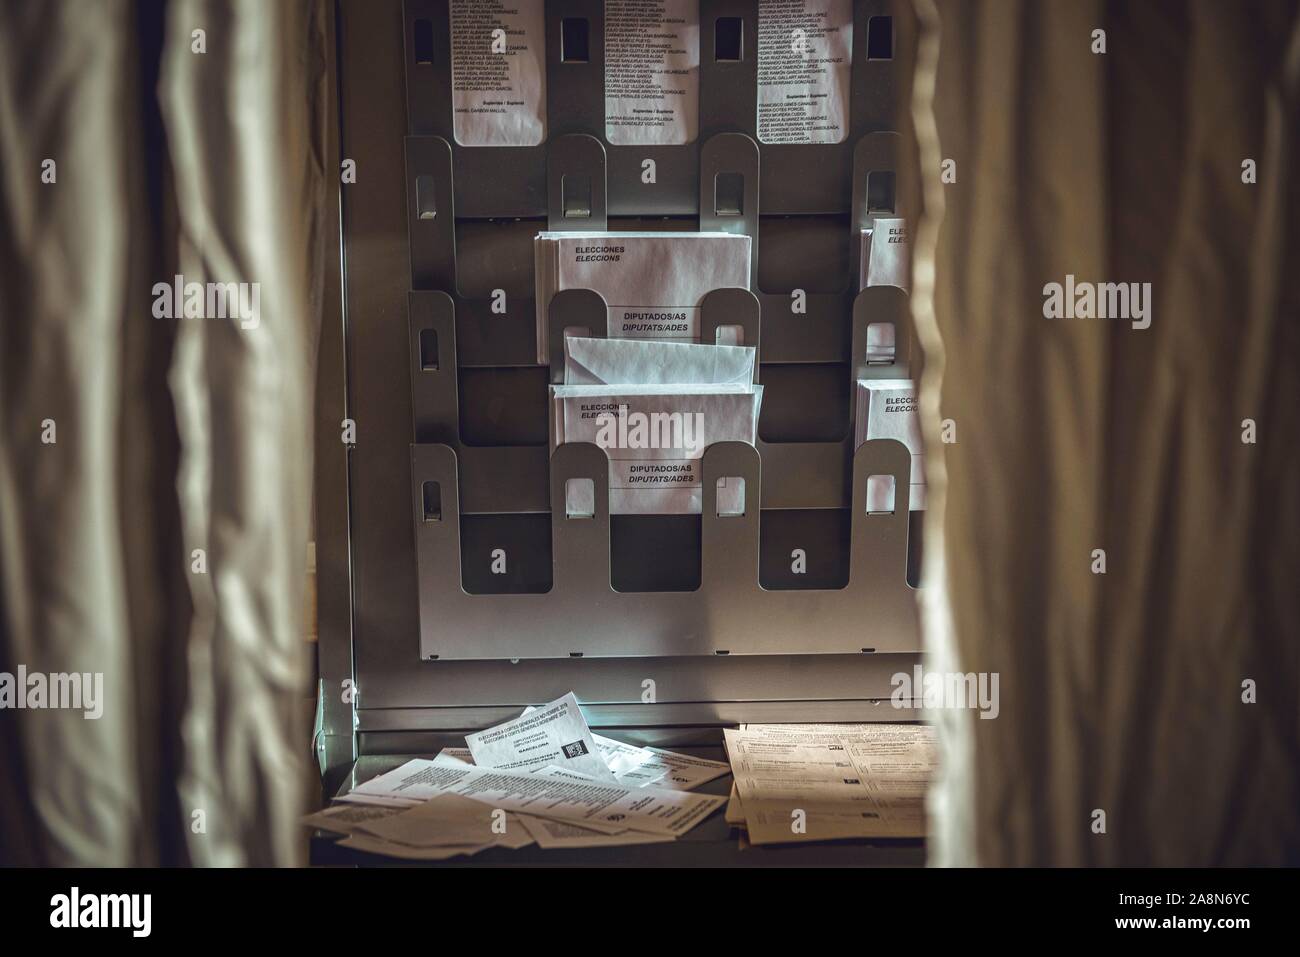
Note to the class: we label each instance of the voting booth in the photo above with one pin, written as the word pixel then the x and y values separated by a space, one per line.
pixel 455 588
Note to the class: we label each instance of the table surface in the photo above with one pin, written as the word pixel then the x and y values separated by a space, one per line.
pixel 712 843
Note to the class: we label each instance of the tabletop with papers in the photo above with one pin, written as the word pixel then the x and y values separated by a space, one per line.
pixel 545 782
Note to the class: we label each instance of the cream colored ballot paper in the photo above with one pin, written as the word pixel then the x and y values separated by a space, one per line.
pixel 652 72
pixel 655 437
pixel 498 72
pixel 652 283
pixel 810 785
pixel 887 409
pixel 651 809
pixel 369 844
pixel 345 818
pixel 555 734
pixel 805 53
pixel 549 833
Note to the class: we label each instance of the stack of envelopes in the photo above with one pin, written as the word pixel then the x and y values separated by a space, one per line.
pixel 653 283
pixel 542 778
pixel 654 407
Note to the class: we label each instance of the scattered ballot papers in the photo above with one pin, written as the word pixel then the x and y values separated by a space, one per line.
pixel 652 282
pixel 654 407
pixel 541 778
pixel 812 782
pixel 554 736
pixel 887 409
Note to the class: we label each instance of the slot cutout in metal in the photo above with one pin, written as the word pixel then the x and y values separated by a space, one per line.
pixel 423 43
pixel 574 40
pixel 576 191
pixel 429 350
pixel 729 194
pixel 729 40
pixel 426 206
pixel 432 494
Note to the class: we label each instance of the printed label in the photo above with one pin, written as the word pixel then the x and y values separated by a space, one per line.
pixel 636 323
pixel 804 57
pixel 652 71
pixel 498 73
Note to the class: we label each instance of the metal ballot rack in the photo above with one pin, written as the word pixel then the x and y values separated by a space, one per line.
pixel 429 354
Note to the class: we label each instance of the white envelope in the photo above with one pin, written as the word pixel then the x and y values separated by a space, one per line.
pixel 886 259
pixel 652 282
pixel 887 410
pixel 649 362
pixel 655 437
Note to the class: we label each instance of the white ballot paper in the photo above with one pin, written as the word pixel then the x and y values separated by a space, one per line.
pixel 635 766
pixel 651 809
pixel 589 361
pixel 805 52
pixel 374 845
pixel 345 818
pixel 652 71
pixel 631 765
pixel 652 282
pixel 887 409
pixel 554 734
pixel 549 833
pixel 449 820
pixel 885 255
pixel 810 784
pixel 371 800
pixel 655 437
pixel 498 73
pixel 462 756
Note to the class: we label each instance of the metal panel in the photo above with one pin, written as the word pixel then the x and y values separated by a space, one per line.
pixel 365 380
pixel 581 615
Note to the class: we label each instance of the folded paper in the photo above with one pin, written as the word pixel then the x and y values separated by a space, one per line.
pixel 631 361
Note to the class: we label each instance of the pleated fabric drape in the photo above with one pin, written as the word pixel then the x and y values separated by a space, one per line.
pixel 155 471
pixel 1121 519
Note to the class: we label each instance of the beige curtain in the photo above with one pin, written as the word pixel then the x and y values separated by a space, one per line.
pixel 155 472
pixel 1127 692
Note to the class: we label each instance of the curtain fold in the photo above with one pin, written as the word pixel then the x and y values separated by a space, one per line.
pixel 1124 692
pixel 64 93
pixel 161 539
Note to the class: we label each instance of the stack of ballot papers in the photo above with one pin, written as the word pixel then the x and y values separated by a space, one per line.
pixel 818 782
pixel 542 778
pixel 654 407
pixel 652 282
pixel 887 409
